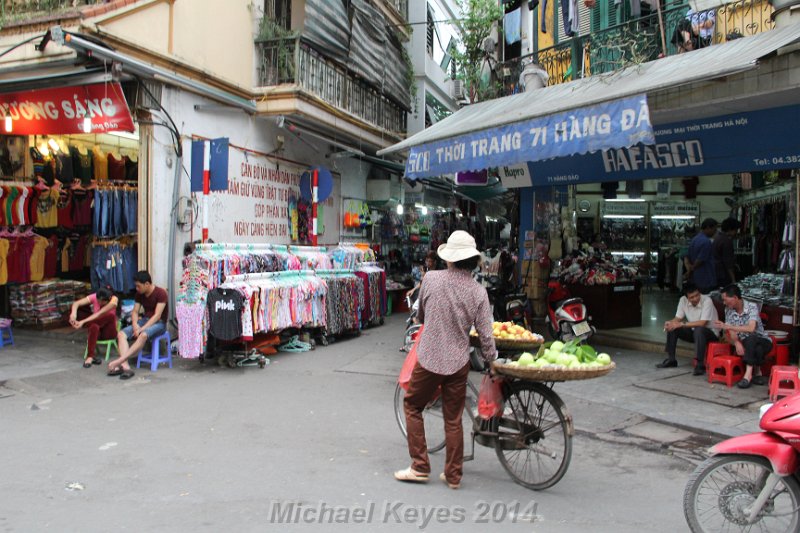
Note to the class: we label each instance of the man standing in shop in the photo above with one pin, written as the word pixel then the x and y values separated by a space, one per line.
pixel 693 322
pixel 148 321
pixel 724 256
pixel 699 261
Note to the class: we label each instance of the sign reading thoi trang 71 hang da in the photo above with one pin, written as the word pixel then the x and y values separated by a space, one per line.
pixel 96 108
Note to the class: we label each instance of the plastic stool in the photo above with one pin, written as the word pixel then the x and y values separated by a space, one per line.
pixel 726 368
pixel 783 381
pixel 778 356
pixel 155 358
pixel 107 343
pixel 716 349
pixel 6 336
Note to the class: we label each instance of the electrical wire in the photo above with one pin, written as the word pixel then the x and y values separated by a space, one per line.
pixel 26 41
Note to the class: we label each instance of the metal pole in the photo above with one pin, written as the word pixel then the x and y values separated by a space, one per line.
pixel 206 186
pixel 314 200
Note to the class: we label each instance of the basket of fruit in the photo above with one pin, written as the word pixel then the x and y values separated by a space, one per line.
pixel 511 337
pixel 557 362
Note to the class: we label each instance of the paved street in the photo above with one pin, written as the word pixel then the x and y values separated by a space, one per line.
pixel 207 448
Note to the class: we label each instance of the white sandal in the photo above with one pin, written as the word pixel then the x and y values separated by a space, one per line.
pixel 410 475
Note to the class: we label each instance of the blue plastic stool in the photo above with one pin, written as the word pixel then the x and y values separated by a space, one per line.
pixel 6 337
pixel 155 358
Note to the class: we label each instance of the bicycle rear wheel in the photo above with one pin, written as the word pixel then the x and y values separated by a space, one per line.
pixel 534 441
pixel 432 416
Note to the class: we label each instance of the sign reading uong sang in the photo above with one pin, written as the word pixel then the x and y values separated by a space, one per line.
pixel 63 110
pixel 615 124
pixel 256 208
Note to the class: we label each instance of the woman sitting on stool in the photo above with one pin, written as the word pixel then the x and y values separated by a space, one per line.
pixel 743 328
pixel 101 321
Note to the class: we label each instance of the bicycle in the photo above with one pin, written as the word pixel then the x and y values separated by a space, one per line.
pixel 532 438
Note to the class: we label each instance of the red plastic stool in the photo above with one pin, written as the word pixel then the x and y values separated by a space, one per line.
pixel 783 381
pixel 726 368
pixel 778 356
pixel 716 349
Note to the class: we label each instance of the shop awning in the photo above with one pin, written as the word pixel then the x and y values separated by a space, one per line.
pixel 504 131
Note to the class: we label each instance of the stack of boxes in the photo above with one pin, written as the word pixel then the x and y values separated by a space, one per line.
pixel 45 304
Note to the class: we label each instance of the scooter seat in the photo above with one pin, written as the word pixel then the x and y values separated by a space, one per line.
pixel 567 301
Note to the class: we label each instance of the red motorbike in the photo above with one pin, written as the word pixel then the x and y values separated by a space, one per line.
pixel 752 482
pixel 566 318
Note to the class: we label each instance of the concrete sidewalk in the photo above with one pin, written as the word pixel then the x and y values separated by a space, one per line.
pixel 635 393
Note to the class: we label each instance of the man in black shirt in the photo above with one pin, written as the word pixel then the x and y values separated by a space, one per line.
pixel 724 257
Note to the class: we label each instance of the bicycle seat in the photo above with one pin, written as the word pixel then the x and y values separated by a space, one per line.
pixel 476 361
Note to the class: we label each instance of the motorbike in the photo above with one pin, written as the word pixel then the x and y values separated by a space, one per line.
pixel 509 304
pixel 567 318
pixel 752 482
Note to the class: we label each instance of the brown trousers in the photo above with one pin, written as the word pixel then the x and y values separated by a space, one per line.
pixel 421 390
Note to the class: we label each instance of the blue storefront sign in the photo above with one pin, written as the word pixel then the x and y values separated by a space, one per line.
pixel 623 122
pixel 740 142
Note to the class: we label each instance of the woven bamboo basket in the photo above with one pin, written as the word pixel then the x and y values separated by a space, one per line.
pixel 552 374
pixel 507 345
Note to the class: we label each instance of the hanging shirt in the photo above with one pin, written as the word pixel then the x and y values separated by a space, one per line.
pixel 81 164
pixel 3 261
pixel 225 313
pixel 100 164
pixel 37 269
pixel 116 168
pixel 47 209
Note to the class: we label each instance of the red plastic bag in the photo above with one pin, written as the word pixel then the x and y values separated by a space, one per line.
pixel 410 362
pixel 490 397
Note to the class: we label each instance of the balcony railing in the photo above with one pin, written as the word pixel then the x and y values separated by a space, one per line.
pixel 289 61
pixel 21 9
pixel 633 42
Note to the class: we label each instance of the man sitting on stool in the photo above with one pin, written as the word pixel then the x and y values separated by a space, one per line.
pixel 149 320
pixel 693 322
pixel 743 328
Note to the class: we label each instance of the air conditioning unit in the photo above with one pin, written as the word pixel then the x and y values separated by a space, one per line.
pixel 384 193
pixel 459 91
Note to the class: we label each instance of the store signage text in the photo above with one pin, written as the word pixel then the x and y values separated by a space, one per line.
pixel 623 122
pixel 740 142
pixel 624 208
pixel 62 110
pixel 669 208
pixel 676 154
pixel 255 207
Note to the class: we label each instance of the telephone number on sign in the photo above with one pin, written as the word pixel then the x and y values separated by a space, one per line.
pixel 778 160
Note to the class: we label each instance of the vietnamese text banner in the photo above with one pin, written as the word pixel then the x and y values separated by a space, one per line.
pixel 740 142
pixel 62 110
pixel 615 124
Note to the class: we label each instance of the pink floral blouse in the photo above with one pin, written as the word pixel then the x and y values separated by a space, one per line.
pixel 451 302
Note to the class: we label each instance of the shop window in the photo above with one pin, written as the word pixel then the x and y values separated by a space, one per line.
pixel 430 31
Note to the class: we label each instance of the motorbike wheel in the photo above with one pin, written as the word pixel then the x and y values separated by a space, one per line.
pixel 720 489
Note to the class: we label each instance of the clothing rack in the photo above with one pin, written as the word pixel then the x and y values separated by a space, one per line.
pixel 267 275
pixel 294 248
pixel 335 271
pixel 210 247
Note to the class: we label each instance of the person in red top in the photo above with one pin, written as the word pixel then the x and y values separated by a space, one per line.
pixel 148 320
pixel 451 302
pixel 101 321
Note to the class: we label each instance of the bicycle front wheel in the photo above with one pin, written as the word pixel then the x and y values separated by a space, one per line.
pixel 534 442
pixel 432 417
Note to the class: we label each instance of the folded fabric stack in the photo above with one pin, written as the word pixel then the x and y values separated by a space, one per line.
pixel 45 303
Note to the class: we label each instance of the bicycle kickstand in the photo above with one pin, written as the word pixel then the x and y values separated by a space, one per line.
pixel 471 455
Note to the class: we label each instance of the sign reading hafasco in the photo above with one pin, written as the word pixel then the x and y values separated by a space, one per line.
pixel 62 110
pixel 623 122
pixel 749 141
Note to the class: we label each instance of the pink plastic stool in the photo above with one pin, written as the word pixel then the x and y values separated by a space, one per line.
pixel 784 381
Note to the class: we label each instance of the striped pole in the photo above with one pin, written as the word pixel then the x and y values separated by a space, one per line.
pixel 206 186
pixel 314 199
